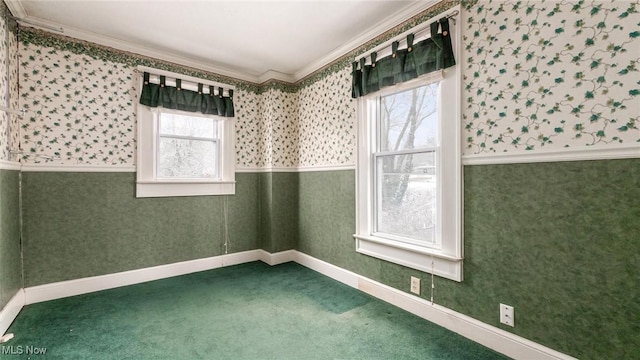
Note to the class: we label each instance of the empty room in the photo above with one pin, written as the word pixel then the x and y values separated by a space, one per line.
pixel 320 179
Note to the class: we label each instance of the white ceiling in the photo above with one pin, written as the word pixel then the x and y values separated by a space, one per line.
pixel 252 40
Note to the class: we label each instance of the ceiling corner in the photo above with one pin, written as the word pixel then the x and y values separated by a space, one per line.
pixel 394 19
pixel 16 8
pixel 276 75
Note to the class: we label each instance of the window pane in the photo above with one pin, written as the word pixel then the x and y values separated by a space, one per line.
pixel 172 124
pixel 187 158
pixel 409 119
pixel 406 195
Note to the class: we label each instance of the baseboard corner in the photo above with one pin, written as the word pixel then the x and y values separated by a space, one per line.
pixel 11 310
pixel 278 257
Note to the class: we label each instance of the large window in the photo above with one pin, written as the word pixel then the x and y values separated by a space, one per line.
pixel 405 168
pixel 409 175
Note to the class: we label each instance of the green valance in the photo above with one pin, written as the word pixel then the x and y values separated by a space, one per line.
pixel 169 97
pixel 429 55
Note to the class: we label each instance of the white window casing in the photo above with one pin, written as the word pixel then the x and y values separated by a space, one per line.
pixel 445 259
pixel 150 184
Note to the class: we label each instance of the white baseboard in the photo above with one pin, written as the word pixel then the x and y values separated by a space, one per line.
pixel 68 288
pixel 277 258
pixel 490 336
pixel 330 270
pixel 10 311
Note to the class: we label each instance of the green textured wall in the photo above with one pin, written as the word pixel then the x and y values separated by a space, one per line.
pixel 86 224
pixel 559 241
pixel 10 267
pixel 278 211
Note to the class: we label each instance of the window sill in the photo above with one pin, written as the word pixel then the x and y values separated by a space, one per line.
pixel 415 257
pixel 184 187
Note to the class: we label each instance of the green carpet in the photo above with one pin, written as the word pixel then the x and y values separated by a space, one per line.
pixel 249 311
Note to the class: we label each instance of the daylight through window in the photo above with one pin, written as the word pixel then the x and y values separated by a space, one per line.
pixel 185 142
pixel 188 147
pixel 409 172
pixel 406 182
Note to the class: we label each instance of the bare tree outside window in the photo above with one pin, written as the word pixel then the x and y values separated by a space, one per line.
pixel 188 147
pixel 405 163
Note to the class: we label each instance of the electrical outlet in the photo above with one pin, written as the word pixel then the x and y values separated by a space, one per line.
pixel 415 285
pixel 506 315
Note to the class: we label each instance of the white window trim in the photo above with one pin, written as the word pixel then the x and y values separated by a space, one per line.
pixel 446 262
pixel 149 185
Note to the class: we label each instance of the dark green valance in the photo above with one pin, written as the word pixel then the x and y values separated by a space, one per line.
pixel 169 97
pixel 402 65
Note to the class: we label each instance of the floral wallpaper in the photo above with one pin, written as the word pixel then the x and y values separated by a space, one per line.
pixel 8 87
pixel 277 125
pixel 266 129
pixel 80 110
pixel 550 74
pixel 4 82
pixel 81 47
pixel 14 99
pixel 537 75
pixel 248 111
pixel 280 125
pixel 264 149
pixel 327 121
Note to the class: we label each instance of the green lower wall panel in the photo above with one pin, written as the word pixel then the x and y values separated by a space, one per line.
pixel 558 241
pixel 278 211
pixel 87 224
pixel 10 266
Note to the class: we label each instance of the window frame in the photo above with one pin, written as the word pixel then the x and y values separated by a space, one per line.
pixel 149 184
pixel 377 152
pixel 216 140
pixel 446 261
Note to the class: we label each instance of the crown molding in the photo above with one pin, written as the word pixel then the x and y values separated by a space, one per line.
pixel 276 75
pixel 133 48
pixel 18 11
pixel 395 19
pixel 404 14
pixel 16 8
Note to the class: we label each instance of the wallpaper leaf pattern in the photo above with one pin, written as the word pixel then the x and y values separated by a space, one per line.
pixel 327 121
pixel 9 138
pixel 80 110
pixel 14 100
pixel 550 74
pixel 279 125
pixel 4 82
pixel 248 135
pixel 537 75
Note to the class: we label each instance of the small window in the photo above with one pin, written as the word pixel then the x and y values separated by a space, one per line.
pixel 184 154
pixel 188 147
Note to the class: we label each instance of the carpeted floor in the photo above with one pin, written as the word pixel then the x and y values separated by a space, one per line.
pixel 249 311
